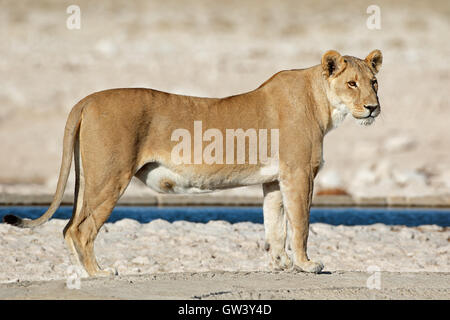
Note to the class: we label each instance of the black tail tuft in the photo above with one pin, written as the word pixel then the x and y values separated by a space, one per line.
pixel 13 220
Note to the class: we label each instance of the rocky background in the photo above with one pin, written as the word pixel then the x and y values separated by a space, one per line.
pixel 221 48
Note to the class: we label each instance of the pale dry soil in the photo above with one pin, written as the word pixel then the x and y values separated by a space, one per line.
pixel 186 260
pixel 240 285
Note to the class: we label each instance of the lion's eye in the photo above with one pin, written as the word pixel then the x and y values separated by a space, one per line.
pixel 352 84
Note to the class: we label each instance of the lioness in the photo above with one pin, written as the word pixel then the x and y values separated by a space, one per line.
pixel 120 133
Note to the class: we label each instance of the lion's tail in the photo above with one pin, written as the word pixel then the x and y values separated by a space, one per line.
pixel 70 133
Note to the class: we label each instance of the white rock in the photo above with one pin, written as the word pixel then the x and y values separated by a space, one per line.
pixel 383 168
pixel 406 233
pixel 127 224
pixel 106 47
pixel 399 143
pixel 141 260
pixel 409 177
pixel 330 179
pixel 120 267
pixel 365 176
pixel 443 179
pixel 157 225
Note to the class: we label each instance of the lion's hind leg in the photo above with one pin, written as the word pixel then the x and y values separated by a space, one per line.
pixel 98 187
pixel 78 203
pixel 96 209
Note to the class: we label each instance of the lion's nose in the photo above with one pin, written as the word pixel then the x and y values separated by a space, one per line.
pixel 371 108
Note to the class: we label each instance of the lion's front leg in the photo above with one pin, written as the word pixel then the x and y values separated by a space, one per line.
pixel 297 188
pixel 275 226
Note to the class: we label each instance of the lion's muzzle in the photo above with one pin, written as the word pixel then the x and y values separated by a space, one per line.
pixel 374 110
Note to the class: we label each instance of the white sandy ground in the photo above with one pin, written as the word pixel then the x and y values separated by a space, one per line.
pixel 160 247
pixel 219 260
pixel 240 285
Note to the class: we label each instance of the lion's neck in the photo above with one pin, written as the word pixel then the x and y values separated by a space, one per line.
pixel 330 111
pixel 308 89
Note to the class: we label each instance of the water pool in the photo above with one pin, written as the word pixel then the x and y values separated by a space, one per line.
pixel 335 216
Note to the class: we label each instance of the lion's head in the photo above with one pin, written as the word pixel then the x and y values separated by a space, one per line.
pixel 352 85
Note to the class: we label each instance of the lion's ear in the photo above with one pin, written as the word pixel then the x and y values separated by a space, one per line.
pixel 332 63
pixel 374 60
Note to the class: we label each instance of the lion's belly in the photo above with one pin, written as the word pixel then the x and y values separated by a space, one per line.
pixel 164 180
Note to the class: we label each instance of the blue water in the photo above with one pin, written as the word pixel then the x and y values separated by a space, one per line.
pixel 335 216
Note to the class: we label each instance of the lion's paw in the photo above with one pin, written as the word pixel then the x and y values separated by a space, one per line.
pixel 309 266
pixel 107 272
pixel 281 261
